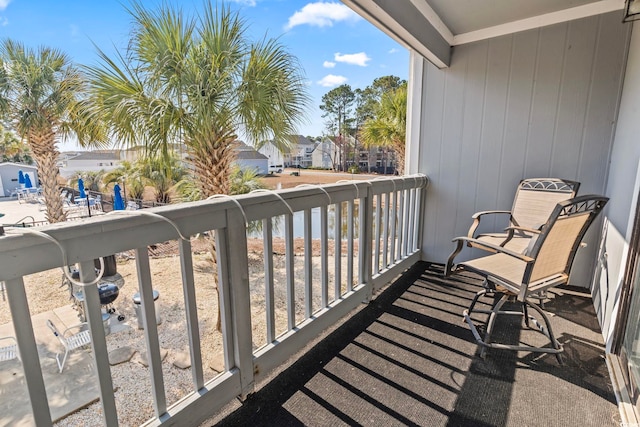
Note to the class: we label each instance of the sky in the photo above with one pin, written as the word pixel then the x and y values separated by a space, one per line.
pixel 333 43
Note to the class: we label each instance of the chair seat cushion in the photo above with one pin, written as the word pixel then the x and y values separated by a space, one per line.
pixel 507 269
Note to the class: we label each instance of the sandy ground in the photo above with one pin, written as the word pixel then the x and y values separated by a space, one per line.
pixel 310 176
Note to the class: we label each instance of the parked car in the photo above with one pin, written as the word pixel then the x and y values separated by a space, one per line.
pixel 275 169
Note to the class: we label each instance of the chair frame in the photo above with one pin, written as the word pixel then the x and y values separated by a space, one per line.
pixel 551 185
pixel 70 342
pixel 495 283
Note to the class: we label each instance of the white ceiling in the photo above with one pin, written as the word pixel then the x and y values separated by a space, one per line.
pixel 463 16
pixel 431 27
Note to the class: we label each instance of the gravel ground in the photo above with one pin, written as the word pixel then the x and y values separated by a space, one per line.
pixel 131 379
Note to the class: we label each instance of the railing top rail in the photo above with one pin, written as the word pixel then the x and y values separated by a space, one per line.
pixel 23 253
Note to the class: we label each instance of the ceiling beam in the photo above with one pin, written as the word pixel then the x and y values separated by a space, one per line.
pixel 407 26
pixel 578 12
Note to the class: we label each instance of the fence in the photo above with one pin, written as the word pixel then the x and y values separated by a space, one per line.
pixel 377 224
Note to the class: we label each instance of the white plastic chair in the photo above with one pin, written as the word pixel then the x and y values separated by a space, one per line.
pixel 8 350
pixel 70 341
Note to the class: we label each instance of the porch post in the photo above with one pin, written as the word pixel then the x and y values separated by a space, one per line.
pixel 414 113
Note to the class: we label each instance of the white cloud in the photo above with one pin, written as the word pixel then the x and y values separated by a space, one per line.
pixel 74 30
pixel 360 59
pixel 4 21
pixel 4 4
pixel 321 14
pixel 331 80
pixel 328 64
pixel 244 2
pixel 394 50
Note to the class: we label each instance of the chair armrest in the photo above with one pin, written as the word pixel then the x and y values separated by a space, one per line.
pixel 496 248
pixel 478 216
pixel 481 213
pixel 79 325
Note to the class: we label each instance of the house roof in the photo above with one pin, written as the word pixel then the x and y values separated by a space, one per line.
pixel 90 155
pixel 246 152
pixel 19 165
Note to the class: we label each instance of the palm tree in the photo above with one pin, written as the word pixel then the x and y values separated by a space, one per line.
pixel 388 128
pixel 40 94
pixel 198 83
pixel 130 175
pixel 93 180
pixel 162 173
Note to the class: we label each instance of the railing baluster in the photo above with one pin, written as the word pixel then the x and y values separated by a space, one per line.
pixel 324 255
pixel 98 342
pixel 191 313
pixel 401 226
pixel 224 297
pixel 151 331
pixel 350 220
pixel 308 264
pixel 385 232
pixel 364 244
pixel 267 235
pixel 289 267
pixel 412 220
pixel 19 306
pixel 393 219
pixel 407 215
pixel 337 249
pixel 378 221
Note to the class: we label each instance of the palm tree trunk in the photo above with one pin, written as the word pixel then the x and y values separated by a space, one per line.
pixel 45 154
pixel 212 168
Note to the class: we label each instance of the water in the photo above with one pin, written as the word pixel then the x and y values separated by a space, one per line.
pixel 255 228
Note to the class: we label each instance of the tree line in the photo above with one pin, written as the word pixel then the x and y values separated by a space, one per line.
pixel 371 117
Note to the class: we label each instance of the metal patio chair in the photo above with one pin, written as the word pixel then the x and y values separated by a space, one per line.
pixel 534 201
pixel 8 349
pixel 70 341
pixel 518 278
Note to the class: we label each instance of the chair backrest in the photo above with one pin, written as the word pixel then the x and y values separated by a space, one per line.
pixel 537 197
pixel 556 247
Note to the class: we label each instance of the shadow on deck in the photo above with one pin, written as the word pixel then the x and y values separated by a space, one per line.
pixel 409 359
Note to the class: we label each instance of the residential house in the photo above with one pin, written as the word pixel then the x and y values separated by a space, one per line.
pixel 89 161
pixel 326 155
pixel 248 158
pixel 273 154
pixel 9 176
pixel 300 153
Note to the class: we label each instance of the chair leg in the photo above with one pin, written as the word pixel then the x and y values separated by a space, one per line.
pixel 485 342
pixel 491 323
pixel 549 331
pixel 448 268
pixel 64 360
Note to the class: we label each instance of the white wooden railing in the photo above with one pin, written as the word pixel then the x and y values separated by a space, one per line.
pixel 381 240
